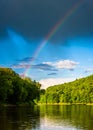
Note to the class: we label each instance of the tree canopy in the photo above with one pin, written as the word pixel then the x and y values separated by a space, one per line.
pixel 17 90
pixel 78 91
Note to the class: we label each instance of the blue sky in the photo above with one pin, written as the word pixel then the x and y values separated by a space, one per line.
pixel 67 55
pixel 56 63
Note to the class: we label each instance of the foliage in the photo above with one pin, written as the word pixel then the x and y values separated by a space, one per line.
pixel 15 90
pixel 78 91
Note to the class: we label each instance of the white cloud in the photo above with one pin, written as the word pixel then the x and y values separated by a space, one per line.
pixel 63 64
pixel 89 70
pixel 54 81
pixel 48 63
pixel 66 64
pixel 52 66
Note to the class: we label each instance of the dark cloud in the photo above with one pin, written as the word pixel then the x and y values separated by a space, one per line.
pixel 71 69
pixel 45 67
pixel 52 74
pixel 35 18
pixel 88 70
pixel 26 59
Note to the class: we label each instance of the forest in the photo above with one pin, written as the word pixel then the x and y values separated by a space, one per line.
pixel 16 90
pixel 78 91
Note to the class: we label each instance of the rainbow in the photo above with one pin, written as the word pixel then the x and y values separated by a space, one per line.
pixel 57 26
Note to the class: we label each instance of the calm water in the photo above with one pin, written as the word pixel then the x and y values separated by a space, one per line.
pixel 79 117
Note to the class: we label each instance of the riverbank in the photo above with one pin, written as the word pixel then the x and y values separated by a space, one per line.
pixel 32 104
pixel 15 105
pixel 65 104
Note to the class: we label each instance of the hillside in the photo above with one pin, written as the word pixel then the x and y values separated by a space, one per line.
pixel 15 90
pixel 78 91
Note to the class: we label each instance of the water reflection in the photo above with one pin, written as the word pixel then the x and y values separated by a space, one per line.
pixel 19 118
pixel 65 117
pixel 75 117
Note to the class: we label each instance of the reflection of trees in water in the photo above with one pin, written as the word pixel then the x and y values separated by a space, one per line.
pixel 79 116
pixel 27 118
pixel 19 118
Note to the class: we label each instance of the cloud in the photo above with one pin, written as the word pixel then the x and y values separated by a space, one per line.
pixel 20 66
pixel 35 19
pixel 64 64
pixel 48 63
pixel 52 74
pixel 23 63
pixel 89 70
pixel 54 81
pixel 26 59
pixel 44 66
pixel 41 66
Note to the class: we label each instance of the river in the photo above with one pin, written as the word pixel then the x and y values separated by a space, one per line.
pixel 50 117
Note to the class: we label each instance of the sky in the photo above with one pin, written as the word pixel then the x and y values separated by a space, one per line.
pixel 49 41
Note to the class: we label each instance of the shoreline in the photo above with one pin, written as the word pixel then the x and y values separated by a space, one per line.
pixel 88 104
pixel 16 105
pixel 39 104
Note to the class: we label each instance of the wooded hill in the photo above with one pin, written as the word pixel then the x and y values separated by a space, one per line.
pixel 78 91
pixel 17 90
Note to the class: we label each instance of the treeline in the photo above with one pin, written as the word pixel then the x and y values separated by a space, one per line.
pixel 78 91
pixel 17 90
